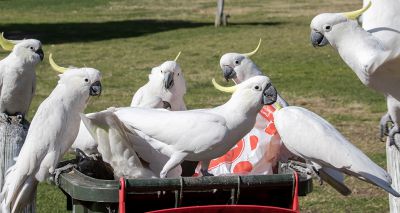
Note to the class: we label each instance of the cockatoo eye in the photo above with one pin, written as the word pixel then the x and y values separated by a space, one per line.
pixel 257 88
pixel 178 74
pixel 327 28
pixel 31 48
pixel 161 71
pixel 86 80
pixel 237 62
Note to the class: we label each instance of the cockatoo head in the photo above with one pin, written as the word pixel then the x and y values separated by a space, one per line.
pixel 28 50
pixel 326 26
pixel 170 75
pixel 239 67
pixel 85 81
pixel 255 91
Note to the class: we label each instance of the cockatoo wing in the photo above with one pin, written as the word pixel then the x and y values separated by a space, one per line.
pixel 192 131
pixel 382 19
pixel 110 132
pixel 324 145
pixel 295 118
pixel 146 149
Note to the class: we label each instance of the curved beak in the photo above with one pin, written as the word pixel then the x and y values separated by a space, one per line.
pixel 40 53
pixel 95 89
pixel 317 39
pixel 269 95
pixel 229 72
pixel 168 80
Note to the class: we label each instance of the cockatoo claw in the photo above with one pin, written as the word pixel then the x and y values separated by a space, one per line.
pixel 384 126
pixel 315 173
pixel 205 172
pixel 20 117
pixel 59 171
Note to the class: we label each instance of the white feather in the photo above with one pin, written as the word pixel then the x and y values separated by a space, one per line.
pixel 308 135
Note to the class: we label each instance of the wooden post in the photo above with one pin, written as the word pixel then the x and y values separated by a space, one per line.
pixel 219 16
pixel 393 167
pixel 12 137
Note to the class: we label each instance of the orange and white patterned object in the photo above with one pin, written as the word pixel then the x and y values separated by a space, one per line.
pixel 255 153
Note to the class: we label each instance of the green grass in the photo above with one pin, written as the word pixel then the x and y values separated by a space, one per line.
pixel 124 39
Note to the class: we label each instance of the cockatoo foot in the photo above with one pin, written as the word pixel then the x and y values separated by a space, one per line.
pixel 384 126
pixel 81 155
pixel 392 133
pixel 205 172
pixel 5 117
pixel 20 117
pixel 59 171
pixel 303 168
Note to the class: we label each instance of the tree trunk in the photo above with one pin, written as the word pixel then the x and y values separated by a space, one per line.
pixel 220 13
pixel 393 166
pixel 12 137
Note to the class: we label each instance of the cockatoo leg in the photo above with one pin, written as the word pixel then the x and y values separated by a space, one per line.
pixel 384 126
pixel 393 131
pixel 176 159
pixel 204 168
pixel 58 171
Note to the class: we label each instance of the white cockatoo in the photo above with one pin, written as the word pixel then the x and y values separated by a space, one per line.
pixel 51 133
pixel 323 145
pixel 371 51
pixel 239 67
pixel 200 135
pixel 115 146
pixel 165 89
pixel 17 75
pixel 166 85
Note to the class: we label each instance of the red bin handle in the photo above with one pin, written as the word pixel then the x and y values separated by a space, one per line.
pixel 121 195
pixel 295 204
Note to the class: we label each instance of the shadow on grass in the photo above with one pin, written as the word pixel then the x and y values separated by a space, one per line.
pixel 272 23
pixel 56 33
